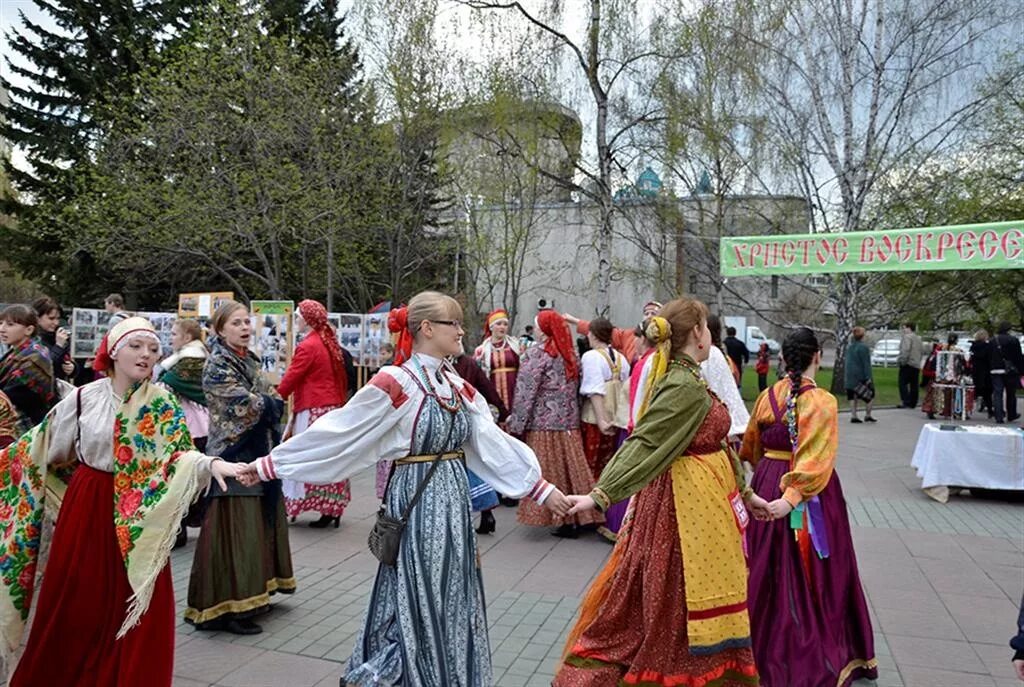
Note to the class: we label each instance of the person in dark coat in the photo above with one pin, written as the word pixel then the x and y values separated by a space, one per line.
pixel 981 371
pixel 1007 364
pixel 860 383
pixel 737 351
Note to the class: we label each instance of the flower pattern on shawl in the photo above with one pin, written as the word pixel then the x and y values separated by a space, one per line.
pixel 142 468
pixel 21 482
pixel 235 391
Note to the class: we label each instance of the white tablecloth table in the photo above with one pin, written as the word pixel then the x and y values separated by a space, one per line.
pixel 972 456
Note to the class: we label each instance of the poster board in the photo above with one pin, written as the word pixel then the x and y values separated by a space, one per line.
pixel 352 335
pixel 89 325
pixel 201 306
pixel 273 335
pixel 376 328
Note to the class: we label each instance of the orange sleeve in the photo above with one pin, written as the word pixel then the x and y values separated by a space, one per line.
pixel 583 327
pixel 750 449
pixel 817 443
pixel 625 343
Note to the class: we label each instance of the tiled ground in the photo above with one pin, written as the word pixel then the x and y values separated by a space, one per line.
pixel 943 583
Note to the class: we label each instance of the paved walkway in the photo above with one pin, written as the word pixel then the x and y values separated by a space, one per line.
pixel 943 583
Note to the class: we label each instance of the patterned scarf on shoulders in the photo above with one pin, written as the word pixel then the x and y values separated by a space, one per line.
pixel 156 478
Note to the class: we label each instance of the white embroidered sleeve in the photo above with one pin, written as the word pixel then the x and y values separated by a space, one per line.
pixel 594 373
pixel 346 440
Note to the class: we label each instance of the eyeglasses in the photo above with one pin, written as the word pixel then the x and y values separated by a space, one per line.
pixel 451 323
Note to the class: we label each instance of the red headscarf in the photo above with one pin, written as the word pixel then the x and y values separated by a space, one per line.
pixel 398 323
pixel 494 316
pixel 315 315
pixel 559 341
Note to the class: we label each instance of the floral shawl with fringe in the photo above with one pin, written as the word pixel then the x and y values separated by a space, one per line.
pixel 157 475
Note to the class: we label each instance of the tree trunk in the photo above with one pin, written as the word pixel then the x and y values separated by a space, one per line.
pixel 604 161
pixel 330 274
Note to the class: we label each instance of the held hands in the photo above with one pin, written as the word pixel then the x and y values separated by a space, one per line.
pixel 758 507
pixel 606 427
pixel 779 508
pixel 580 504
pixel 247 475
pixel 557 503
pixel 221 470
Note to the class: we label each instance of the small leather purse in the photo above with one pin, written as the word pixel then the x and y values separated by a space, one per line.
pixel 386 536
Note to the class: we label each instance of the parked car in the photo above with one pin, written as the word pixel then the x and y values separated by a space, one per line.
pixel 885 353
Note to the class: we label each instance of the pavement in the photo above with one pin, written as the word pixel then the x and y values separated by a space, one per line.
pixel 943 583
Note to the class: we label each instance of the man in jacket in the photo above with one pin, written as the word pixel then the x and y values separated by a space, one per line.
pixel 737 351
pixel 1006 363
pixel 909 361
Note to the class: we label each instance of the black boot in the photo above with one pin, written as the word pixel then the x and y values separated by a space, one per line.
pixel 326 521
pixel 567 532
pixel 487 523
pixel 182 537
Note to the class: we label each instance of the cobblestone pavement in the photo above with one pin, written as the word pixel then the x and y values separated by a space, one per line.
pixel 943 583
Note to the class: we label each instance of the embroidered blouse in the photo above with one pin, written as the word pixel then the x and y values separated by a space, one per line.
pixel 719 377
pixel 817 439
pixel 545 398
pixel 99 410
pixel 595 370
pixel 379 423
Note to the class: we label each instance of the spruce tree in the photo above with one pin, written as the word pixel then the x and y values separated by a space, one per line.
pixel 66 77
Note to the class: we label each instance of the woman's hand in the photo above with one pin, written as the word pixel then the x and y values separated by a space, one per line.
pixel 62 336
pixel 221 470
pixel 779 508
pixel 68 367
pixel 580 504
pixel 570 319
pixel 758 507
pixel 606 427
pixel 557 503
pixel 247 475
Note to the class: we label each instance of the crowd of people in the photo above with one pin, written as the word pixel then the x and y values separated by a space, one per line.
pixel 638 434
pixel 993 363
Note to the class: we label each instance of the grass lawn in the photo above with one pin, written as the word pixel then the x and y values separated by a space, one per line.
pixel 887 393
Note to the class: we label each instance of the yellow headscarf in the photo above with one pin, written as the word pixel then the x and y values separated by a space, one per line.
pixel 658 331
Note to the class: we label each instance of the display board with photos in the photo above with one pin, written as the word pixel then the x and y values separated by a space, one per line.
pixel 201 306
pixel 89 325
pixel 273 335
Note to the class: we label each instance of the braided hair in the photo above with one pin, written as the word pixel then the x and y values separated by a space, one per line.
pixel 798 350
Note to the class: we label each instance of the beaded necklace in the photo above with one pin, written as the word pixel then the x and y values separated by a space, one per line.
pixel 695 371
pixel 452 405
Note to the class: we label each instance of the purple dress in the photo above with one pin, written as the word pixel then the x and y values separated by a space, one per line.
pixel 813 633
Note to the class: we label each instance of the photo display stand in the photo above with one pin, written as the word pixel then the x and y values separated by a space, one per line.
pixel 273 336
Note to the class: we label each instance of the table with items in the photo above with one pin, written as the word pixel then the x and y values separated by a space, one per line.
pixel 969 456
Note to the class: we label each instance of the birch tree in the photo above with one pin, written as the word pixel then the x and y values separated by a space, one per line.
pixel 859 90
pixel 614 58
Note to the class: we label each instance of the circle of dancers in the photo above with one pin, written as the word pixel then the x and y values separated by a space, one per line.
pixel 714 580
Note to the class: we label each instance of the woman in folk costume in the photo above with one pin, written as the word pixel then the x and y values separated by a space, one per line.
pixel 648 336
pixel 546 414
pixel 425 625
pixel 242 555
pixel 401 350
pixel 622 340
pixel 484 499
pixel 26 373
pixel 115 459
pixel 810 622
pixel 499 354
pixel 669 607
pixel 722 378
pixel 181 373
pixel 8 421
pixel 604 386
pixel 318 382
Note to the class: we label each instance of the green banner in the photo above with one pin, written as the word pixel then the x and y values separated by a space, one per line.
pixel 997 246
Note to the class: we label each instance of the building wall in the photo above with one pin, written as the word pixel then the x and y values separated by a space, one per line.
pixel 558 258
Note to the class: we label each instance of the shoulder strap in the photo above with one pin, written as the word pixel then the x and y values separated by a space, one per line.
pixel 430 473
pixel 78 423
pixel 775 404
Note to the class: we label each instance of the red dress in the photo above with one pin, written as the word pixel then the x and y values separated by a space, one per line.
pixel 83 599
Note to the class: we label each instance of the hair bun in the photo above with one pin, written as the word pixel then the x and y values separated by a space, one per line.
pixel 658 330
